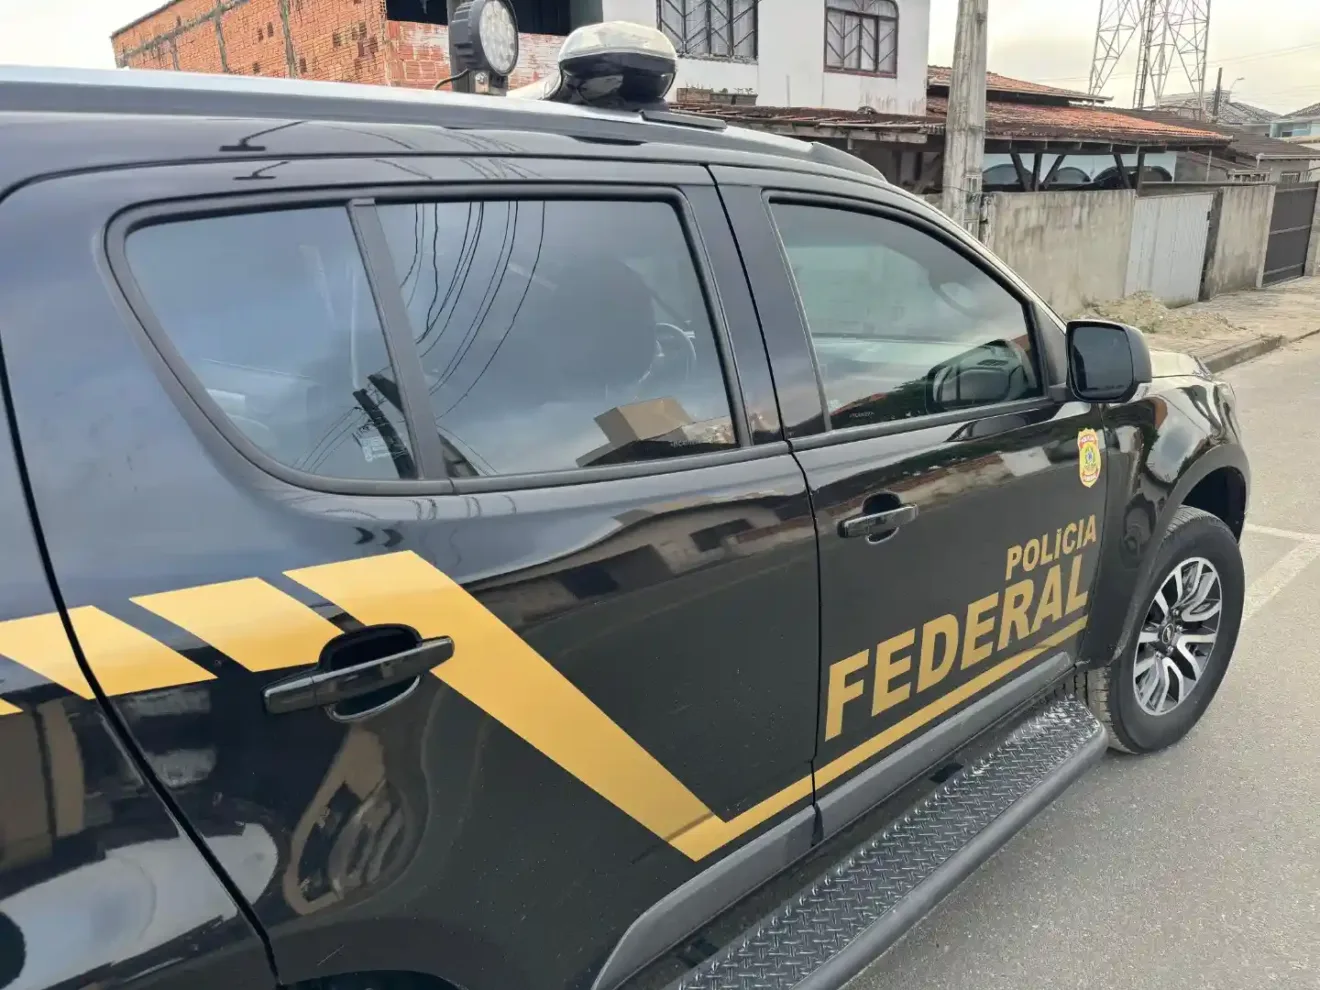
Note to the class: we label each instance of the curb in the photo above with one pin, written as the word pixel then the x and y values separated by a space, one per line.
pixel 1244 351
pixel 1248 349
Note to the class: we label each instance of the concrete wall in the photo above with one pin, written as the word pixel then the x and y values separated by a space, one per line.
pixel 1071 247
pixel 1313 251
pixel 790 66
pixel 1239 235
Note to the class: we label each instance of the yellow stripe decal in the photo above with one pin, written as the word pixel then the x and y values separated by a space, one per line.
pixel 125 659
pixel 7 709
pixel 250 621
pixel 905 727
pixel 40 643
pixel 501 674
pixel 707 836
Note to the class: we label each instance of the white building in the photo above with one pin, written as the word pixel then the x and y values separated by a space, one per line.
pixel 835 54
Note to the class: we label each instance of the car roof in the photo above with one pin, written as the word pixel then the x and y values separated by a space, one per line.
pixel 154 98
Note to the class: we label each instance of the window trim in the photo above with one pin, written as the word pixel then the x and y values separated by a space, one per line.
pixel 359 205
pixel 754 12
pixel 880 20
pixel 829 434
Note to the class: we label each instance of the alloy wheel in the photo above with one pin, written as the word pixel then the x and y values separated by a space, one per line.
pixel 1178 636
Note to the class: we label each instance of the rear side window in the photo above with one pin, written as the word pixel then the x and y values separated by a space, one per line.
pixel 559 334
pixel 273 314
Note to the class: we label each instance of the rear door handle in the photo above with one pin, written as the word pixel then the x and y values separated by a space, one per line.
pixel 878 523
pixel 330 687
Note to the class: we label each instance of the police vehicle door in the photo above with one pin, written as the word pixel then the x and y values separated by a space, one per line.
pixel 958 504
pixel 427 532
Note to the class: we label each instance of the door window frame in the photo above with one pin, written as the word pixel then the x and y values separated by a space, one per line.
pixel 359 204
pixel 827 433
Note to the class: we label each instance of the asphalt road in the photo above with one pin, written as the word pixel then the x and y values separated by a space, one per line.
pixel 1198 867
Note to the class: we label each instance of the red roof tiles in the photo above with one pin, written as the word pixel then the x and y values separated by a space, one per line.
pixel 940 75
pixel 1029 121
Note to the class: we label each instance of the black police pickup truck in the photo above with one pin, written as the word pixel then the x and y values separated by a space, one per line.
pixel 458 542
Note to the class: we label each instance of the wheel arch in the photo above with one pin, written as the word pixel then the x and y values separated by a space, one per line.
pixel 1217 478
pixel 1222 492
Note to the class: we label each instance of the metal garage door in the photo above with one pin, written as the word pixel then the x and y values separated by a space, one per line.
pixel 1290 231
pixel 1168 247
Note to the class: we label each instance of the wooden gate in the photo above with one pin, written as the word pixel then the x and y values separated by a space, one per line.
pixel 1290 231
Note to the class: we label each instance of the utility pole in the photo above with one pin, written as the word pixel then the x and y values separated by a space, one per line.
pixel 1219 88
pixel 964 128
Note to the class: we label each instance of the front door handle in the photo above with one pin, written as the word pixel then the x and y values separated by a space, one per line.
pixel 873 524
pixel 317 690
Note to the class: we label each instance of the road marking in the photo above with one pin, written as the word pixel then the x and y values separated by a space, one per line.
pixel 1277 577
pixel 1287 534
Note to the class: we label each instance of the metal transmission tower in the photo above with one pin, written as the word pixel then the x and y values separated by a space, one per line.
pixel 1172 36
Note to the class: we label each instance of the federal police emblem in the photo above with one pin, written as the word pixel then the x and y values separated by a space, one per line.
pixel 1088 457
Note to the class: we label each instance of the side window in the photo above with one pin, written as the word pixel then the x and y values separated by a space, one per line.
pixel 273 314
pixel 902 324
pixel 557 334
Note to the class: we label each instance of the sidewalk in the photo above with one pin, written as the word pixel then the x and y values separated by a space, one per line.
pixel 1231 328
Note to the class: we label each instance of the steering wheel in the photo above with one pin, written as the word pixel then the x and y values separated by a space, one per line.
pixel 672 344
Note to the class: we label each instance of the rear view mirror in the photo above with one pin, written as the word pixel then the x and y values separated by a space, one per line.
pixel 1106 361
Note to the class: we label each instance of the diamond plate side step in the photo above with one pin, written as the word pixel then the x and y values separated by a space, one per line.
pixel 840 923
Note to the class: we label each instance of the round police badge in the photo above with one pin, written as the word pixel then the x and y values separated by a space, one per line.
pixel 1088 457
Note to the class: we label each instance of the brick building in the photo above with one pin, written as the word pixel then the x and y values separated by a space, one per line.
pixel 389 42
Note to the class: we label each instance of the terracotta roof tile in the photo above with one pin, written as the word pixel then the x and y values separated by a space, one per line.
pixel 809 116
pixel 1028 121
pixel 941 75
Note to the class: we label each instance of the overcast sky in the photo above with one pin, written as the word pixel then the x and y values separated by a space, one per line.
pixel 1273 44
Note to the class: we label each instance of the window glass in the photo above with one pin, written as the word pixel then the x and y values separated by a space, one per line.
pixel 559 334
pixel 710 28
pixel 273 313
pixel 861 36
pixel 902 325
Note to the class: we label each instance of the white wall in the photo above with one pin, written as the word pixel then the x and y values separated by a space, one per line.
pixel 790 68
pixel 1071 247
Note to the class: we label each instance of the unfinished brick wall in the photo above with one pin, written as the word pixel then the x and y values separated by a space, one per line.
pixel 418 55
pixel 344 40
pixel 313 39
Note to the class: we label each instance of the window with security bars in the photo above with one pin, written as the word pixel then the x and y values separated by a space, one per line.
pixel 710 28
pixel 861 36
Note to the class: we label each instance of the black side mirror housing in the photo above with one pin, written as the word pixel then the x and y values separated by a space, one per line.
pixel 1107 361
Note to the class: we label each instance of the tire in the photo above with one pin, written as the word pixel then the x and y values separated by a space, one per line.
pixel 1111 692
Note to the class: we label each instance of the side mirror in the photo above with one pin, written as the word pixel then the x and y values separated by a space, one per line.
pixel 1106 361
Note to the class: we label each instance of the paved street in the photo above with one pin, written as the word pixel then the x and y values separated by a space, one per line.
pixel 1200 867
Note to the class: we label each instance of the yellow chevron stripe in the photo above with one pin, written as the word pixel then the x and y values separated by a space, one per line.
pixel 250 621
pixel 126 659
pixel 495 669
pixel 7 709
pixel 500 673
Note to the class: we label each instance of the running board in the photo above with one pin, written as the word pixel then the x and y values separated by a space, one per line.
pixel 842 922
